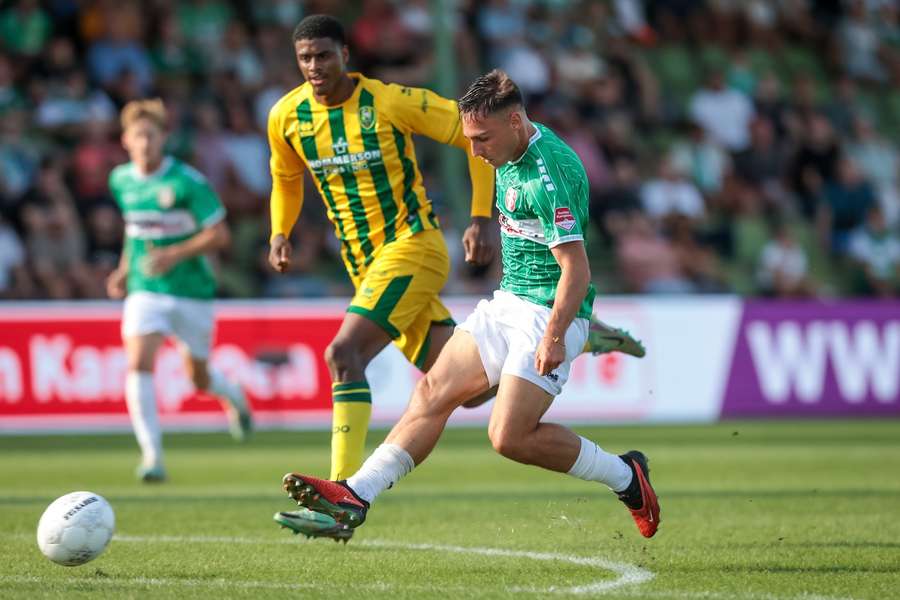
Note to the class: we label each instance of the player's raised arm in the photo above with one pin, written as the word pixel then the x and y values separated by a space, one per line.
pixel 429 114
pixel 287 191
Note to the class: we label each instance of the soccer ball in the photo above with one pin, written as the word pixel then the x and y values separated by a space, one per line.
pixel 76 528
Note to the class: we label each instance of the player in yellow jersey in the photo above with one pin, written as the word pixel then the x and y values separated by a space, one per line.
pixel 354 135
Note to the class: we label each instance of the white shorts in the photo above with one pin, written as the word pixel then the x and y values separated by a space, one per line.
pixel 189 320
pixel 508 329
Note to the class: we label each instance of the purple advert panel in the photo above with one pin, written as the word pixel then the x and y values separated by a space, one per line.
pixel 815 359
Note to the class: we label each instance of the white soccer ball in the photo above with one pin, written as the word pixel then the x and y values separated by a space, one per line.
pixel 76 528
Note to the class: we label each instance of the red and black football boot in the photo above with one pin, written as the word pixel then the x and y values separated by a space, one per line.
pixel 333 498
pixel 639 496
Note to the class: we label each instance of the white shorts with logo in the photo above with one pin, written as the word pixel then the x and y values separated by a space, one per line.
pixel 188 319
pixel 508 330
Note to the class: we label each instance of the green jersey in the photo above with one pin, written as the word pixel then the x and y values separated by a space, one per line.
pixel 543 202
pixel 162 208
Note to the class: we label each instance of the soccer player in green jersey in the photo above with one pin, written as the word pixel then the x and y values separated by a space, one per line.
pixel 172 219
pixel 523 340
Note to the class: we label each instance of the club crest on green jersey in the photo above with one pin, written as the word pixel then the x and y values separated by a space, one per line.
pixel 165 197
pixel 366 117
pixel 510 199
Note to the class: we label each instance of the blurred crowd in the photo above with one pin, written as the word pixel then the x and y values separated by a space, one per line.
pixel 733 146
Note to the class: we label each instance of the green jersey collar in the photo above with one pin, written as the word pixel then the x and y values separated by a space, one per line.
pixel 534 137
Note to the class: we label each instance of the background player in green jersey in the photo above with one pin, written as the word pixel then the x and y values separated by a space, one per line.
pixel 524 339
pixel 172 218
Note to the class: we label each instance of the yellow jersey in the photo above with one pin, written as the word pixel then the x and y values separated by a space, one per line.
pixel 361 157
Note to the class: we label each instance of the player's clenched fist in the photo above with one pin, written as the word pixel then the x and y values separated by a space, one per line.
pixel 115 284
pixel 549 355
pixel 280 253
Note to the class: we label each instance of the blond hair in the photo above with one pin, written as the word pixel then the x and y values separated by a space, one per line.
pixel 152 109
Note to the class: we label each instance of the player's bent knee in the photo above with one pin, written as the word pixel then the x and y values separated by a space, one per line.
pixel 509 444
pixel 342 356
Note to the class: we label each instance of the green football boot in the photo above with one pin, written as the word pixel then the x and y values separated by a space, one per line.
pixel 603 338
pixel 313 525
pixel 240 423
pixel 154 474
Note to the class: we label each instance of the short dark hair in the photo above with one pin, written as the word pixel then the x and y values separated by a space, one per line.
pixel 320 26
pixel 490 93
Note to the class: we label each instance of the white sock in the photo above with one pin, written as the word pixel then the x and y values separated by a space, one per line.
pixel 383 469
pixel 595 464
pixel 224 388
pixel 141 403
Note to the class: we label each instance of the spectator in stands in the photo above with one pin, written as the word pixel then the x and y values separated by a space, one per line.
pixel 783 267
pixel 582 140
pixel 698 261
pixel 804 104
pixel 248 155
pixel 604 98
pixel 104 243
pixel 612 205
pixel 55 239
pixel 703 160
pixel 617 139
pixel 670 195
pixel 859 44
pixel 72 104
pixel 92 160
pixel 121 51
pixel 647 261
pixel 19 160
pixel 171 54
pixel 844 205
pixel 238 56
pixel 384 47
pixel 724 113
pixel 204 23
pixel 25 28
pixel 210 153
pixel 845 105
pixel 577 64
pixel 58 60
pixel 9 94
pixel 879 162
pixel 640 87
pixel 877 252
pixel 815 162
pixel 769 102
pixel 500 21
pixel 15 281
pixel 761 166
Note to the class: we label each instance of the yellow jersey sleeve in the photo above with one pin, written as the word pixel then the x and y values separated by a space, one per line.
pixel 287 177
pixel 423 112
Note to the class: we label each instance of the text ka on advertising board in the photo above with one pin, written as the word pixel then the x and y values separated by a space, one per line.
pixel 57 362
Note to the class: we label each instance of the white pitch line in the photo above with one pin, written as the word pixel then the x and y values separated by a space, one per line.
pixel 626 574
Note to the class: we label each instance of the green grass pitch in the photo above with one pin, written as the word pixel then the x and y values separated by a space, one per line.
pixel 787 510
